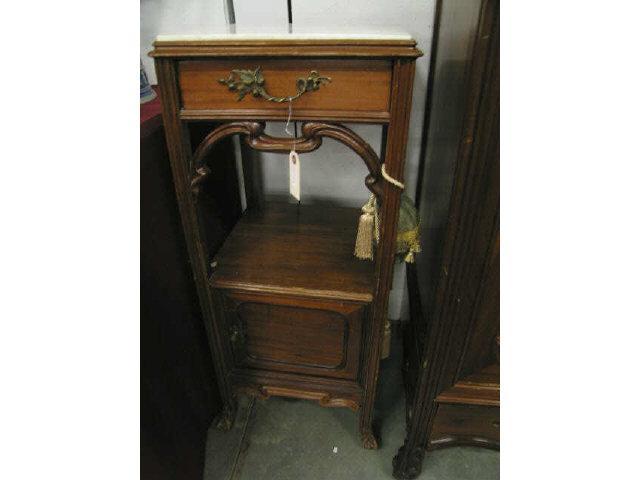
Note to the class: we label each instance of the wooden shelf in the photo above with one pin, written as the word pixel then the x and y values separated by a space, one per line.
pixel 304 250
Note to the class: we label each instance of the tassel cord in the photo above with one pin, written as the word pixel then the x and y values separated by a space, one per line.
pixel 390 179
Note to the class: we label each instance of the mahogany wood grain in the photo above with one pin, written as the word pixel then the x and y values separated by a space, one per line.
pixel 294 336
pixel 306 256
pixel 304 250
pixel 356 86
pixel 289 334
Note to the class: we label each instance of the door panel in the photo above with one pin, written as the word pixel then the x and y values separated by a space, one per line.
pixel 279 333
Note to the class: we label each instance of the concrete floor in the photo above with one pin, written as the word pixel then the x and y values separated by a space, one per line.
pixel 288 439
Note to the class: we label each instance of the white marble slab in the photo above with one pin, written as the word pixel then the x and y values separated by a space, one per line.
pixel 398 36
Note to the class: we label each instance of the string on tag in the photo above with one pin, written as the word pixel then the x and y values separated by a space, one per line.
pixel 286 128
pixel 294 160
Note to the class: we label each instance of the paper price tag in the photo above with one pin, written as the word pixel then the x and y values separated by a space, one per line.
pixel 294 175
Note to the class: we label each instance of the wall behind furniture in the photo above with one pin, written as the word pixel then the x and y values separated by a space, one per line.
pixel 332 172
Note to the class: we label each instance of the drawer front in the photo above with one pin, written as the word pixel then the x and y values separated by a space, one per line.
pixel 295 336
pixel 356 85
pixel 466 425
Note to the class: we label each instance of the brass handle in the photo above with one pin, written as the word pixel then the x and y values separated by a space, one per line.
pixel 252 81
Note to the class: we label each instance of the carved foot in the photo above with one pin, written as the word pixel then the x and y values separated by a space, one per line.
pixel 369 440
pixel 407 466
pixel 225 420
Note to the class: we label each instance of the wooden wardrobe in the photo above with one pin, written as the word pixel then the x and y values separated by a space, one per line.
pixel 452 360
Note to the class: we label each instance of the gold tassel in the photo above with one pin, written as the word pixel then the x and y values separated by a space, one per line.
pixel 366 225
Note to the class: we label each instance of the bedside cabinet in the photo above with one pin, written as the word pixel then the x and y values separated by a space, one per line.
pixel 289 310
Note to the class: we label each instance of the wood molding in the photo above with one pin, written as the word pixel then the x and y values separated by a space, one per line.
pixel 368 48
pixel 375 117
pixel 462 441
pixel 324 399
pixel 299 292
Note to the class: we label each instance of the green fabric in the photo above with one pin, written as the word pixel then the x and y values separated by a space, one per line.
pixel 408 237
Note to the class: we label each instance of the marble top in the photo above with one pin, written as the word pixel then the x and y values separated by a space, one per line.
pixel 279 35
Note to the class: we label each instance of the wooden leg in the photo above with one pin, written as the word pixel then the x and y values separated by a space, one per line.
pixel 394 156
pixel 225 419
pixel 369 440
pixel 408 464
pixel 177 134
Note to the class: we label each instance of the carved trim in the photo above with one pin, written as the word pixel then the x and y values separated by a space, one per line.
pixel 300 114
pixel 463 441
pixel 324 399
pixel 287 48
pixel 312 135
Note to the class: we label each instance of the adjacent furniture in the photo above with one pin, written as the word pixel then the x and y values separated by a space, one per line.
pixel 452 365
pixel 288 309
pixel 178 392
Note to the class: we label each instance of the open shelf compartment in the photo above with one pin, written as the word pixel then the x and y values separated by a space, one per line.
pixel 304 250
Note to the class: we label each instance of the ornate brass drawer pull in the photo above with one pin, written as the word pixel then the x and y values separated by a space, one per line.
pixel 252 81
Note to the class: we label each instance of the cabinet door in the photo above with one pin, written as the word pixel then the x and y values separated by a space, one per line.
pixel 288 334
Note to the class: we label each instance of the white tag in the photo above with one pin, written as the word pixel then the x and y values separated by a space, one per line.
pixel 294 175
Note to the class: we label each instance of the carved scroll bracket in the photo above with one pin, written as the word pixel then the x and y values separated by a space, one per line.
pixel 312 135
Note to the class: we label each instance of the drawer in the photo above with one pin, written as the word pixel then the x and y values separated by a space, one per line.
pixel 283 334
pixel 466 425
pixel 357 86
